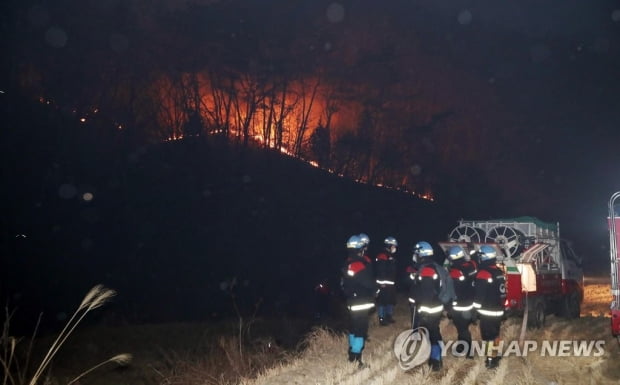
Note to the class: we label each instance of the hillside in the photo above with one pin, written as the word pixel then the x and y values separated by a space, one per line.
pixel 168 225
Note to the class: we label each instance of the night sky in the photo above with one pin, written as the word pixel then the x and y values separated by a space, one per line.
pixel 520 98
pixel 554 65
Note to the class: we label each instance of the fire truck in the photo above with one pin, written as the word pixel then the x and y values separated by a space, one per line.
pixel 543 273
pixel 614 245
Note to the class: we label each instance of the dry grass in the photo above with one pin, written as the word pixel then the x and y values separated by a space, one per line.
pixel 170 354
pixel 324 362
pixel 193 354
pixel 597 298
pixel 16 368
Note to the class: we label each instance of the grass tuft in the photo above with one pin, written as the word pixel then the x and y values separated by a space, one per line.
pixel 16 373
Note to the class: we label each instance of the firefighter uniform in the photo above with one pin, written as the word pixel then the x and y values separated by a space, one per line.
pixel 385 267
pixel 424 299
pixel 358 284
pixel 462 271
pixel 490 292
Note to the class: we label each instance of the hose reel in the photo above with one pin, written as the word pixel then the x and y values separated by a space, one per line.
pixel 509 239
pixel 466 233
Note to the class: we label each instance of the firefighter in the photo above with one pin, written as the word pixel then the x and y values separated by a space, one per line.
pixel 424 295
pixel 358 284
pixel 489 295
pixel 385 266
pixel 462 271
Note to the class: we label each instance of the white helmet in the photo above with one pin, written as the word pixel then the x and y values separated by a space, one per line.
pixel 456 253
pixel 390 241
pixel 487 253
pixel 354 242
pixel 423 249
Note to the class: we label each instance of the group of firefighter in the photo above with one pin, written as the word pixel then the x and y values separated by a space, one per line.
pixel 469 289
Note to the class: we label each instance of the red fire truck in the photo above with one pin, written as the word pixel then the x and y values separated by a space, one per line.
pixel 543 273
pixel 614 245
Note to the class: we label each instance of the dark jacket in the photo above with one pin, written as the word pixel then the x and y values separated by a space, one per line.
pixel 425 291
pixel 358 280
pixel 385 267
pixel 463 273
pixel 490 289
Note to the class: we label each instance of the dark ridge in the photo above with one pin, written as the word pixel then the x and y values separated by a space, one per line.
pixel 170 223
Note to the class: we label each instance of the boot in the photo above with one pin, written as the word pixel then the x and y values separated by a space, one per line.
pixel 470 350
pixel 492 362
pixel 351 356
pixel 460 349
pixel 464 349
pixel 383 321
pixel 390 319
pixel 487 362
pixel 360 364
pixel 435 365
pixel 357 357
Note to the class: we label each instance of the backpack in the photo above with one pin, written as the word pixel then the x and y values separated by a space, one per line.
pixel 446 292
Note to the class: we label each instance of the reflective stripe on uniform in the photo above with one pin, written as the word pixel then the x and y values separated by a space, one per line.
pixel 411 300
pixel 430 310
pixel 364 306
pixel 434 276
pixel 476 305
pixel 462 308
pixel 491 313
pixel 385 282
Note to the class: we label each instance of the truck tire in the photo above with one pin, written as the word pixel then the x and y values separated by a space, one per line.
pixel 536 314
pixel 571 306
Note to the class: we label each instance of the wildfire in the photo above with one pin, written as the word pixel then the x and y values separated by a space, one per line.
pixel 281 115
pixel 257 124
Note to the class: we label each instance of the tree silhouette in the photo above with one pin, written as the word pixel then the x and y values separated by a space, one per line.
pixel 320 146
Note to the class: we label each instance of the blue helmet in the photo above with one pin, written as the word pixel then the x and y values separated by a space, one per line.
pixel 390 241
pixel 355 242
pixel 456 253
pixel 364 238
pixel 487 253
pixel 423 249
